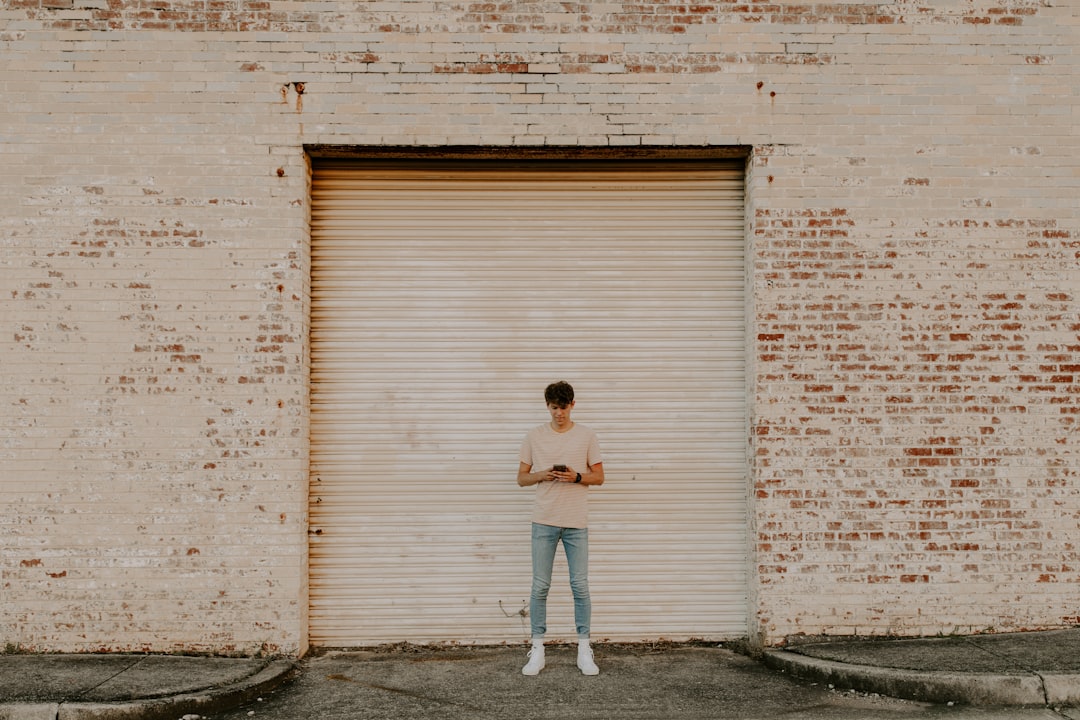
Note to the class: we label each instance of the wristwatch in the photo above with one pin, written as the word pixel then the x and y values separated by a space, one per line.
pixel 578 478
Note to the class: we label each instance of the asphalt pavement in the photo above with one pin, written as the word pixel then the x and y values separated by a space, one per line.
pixel 1015 675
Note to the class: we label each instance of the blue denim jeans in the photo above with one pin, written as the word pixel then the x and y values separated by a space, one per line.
pixel 575 541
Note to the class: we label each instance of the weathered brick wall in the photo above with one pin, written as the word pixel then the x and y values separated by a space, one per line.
pixel 913 240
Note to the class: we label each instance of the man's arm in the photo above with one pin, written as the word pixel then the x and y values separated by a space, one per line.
pixel 595 476
pixel 526 477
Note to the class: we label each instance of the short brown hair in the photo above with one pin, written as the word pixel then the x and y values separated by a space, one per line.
pixel 559 394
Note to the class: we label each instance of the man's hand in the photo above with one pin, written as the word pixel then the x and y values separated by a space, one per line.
pixel 567 475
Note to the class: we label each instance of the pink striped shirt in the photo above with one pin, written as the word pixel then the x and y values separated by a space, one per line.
pixel 557 503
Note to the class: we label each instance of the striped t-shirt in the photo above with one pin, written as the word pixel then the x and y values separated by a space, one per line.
pixel 558 503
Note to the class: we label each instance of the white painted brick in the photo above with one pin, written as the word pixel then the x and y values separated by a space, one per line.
pixel 912 233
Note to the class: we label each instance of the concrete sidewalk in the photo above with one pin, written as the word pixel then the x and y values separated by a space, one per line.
pixel 1013 669
pixel 1019 669
pixel 131 687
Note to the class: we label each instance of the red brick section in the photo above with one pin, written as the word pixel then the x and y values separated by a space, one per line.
pixel 935 380
pixel 496 17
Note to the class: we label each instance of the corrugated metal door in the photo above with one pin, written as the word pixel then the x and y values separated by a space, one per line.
pixel 445 297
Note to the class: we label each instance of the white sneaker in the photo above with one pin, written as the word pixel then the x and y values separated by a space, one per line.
pixel 536 662
pixel 585 661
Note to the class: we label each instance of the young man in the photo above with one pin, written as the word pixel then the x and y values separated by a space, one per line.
pixel 566 459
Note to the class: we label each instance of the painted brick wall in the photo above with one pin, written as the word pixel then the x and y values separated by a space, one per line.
pixel 913 245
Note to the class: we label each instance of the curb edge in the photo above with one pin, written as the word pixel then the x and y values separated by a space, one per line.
pixel 218 699
pixel 936 687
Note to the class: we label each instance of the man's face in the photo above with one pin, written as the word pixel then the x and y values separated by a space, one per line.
pixel 560 415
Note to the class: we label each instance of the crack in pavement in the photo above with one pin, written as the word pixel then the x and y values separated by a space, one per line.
pixel 406 693
pixel 1014 661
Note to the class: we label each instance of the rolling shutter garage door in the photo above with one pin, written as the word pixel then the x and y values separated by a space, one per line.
pixel 446 296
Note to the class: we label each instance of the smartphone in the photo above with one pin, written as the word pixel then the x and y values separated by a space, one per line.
pixel 559 468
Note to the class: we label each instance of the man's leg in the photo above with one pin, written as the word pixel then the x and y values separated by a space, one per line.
pixel 576 545
pixel 545 538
